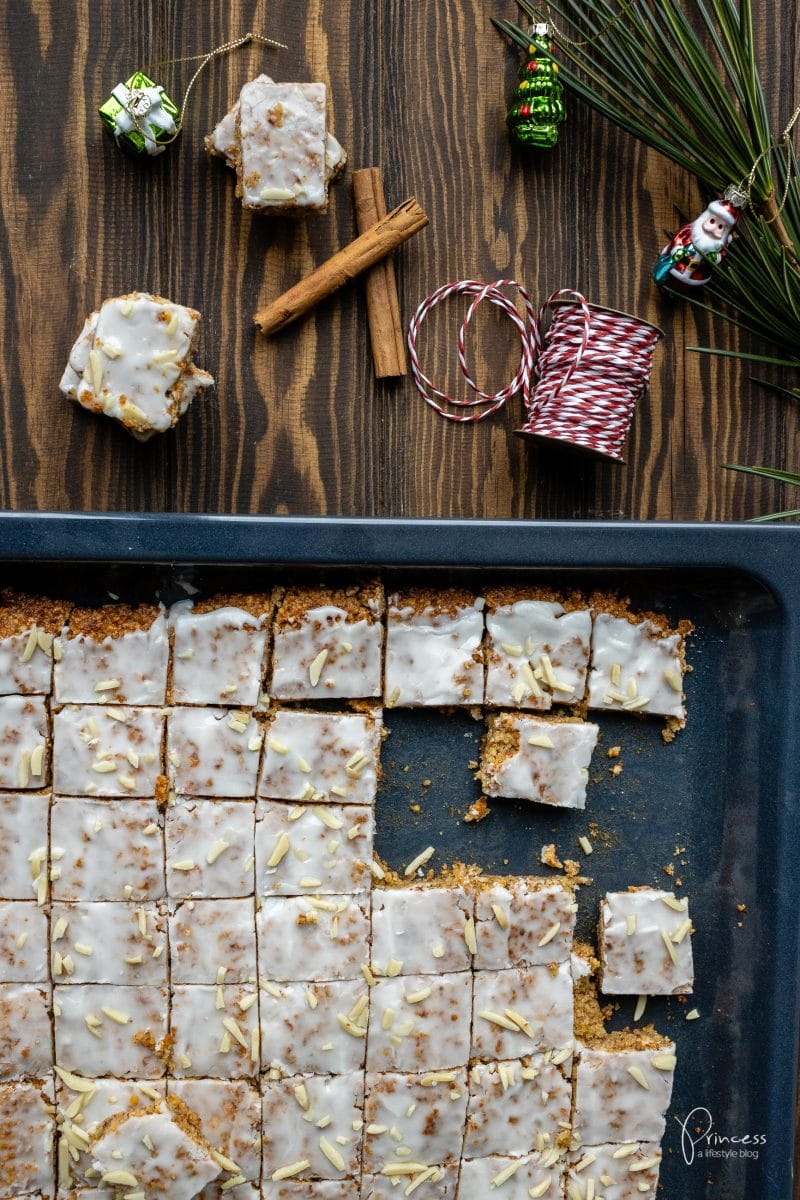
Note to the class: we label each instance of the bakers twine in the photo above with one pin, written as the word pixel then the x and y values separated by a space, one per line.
pixel 580 379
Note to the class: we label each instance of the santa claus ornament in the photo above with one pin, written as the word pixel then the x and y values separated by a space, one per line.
pixel 687 261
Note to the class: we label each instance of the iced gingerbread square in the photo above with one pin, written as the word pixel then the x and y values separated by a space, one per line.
pixel 516 1107
pixel 23 743
pixel 219 649
pixel 104 850
pixel 113 655
pixel 213 752
pixel 317 848
pixel 132 362
pixel 523 922
pixel 419 1022
pixel 209 848
pixel 329 933
pixel 638 663
pixel 27 1126
pixel 528 758
pixel 328 643
pixel 423 1113
pixel 645 943
pixel 23 843
pixel 23 942
pixel 626 1172
pixel 223 141
pixel 25 1049
pixel 537 650
pixel 314 1026
pixel 317 757
pixel 422 930
pixel 215 1031
pixel 110 1029
pixel 89 1104
pixel 100 942
pixel 433 649
pixel 113 751
pixel 522 1010
pixel 28 627
pixel 158 1150
pixel 311 1127
pixel 623 1089
pixel 230 1122
pixel 209 936
pixel 523 1177
pixel 281 142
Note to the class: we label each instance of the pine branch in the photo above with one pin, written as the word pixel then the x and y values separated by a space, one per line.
pixel 690 88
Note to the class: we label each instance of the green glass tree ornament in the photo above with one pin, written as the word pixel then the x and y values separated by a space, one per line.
pixel 537 107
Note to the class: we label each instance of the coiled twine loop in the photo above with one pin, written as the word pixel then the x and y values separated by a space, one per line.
pixel 580 379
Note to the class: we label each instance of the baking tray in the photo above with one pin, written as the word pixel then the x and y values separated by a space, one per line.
pixel 719 806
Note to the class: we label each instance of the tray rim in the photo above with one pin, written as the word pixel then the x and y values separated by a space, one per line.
pixel 768 554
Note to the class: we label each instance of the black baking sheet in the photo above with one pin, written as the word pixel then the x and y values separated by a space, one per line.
pixel 717 807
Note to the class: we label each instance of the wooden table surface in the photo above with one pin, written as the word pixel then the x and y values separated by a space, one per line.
pixel 298 424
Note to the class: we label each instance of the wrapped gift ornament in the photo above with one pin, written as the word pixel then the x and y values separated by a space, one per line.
pixel 141 115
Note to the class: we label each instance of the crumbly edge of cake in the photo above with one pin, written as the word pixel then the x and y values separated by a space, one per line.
pixel 511 593
pixel 295 603
pixel 19 612
pixel 111 621
pixel 591 1016
pixel 423 601
pixel 257 604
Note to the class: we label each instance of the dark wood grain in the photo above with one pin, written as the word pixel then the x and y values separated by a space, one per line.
pixel 298 423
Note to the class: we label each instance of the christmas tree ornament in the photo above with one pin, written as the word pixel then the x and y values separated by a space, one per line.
pixel 689 258
pixel 580 377
pixel 141 115
pixel 537 107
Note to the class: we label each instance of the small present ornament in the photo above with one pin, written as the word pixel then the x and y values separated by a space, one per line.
pixel 141 115
pixel 689 258
pixel 537 107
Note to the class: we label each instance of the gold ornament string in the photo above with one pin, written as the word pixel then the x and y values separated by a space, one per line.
pixel 208 57
pixel 562 37
pixel 784 143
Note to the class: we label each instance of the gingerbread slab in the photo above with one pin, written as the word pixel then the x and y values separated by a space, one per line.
pixel 645 943
pixel 213 752
pixel 523 922
pixel 24 756
pixel 105 850
pixel 317 757
pixel 420 930
pixel 521 1010
pixel 302 849
pixel 212 936
pixel 318 1027
pixel 516 1107
pixel 214 1031
pixel 433 649
pixel 419 1023
pixel 107 751
pixel 537 650
pixel 533 759
pixel 209 848
pixel 417 1118
pixel 23 843
pixel 622 1095
pixel 219 650
pixel 330 932
pixel 113 655
pixel 110 1029
pixel 312 1127
pixel 328 644
pixel 637 666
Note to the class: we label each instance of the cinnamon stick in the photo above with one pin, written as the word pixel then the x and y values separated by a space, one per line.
pixel 380 285
pixel 389 233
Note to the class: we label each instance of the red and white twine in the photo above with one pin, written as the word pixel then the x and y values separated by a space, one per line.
pixel 580 379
